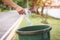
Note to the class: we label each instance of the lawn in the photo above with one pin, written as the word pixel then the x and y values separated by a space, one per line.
pixel 4 10
pixel 55 24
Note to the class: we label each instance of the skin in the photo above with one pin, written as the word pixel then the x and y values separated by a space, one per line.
pixel 19 9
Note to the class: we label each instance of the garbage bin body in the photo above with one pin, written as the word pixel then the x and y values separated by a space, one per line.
pixel 39 32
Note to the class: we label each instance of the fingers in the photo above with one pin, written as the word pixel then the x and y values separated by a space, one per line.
pixel 21 12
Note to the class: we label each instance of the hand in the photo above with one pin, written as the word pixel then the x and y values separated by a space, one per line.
pixel 20 10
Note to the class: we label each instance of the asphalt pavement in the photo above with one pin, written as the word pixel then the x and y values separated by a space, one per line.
pixel 7 19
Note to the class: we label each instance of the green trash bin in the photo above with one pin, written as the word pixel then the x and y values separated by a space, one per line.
pixel 37 32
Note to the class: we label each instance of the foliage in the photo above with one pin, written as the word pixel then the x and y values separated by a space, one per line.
pixel 3 6
pixel 35 5
pixel 1 2
pixel 22 3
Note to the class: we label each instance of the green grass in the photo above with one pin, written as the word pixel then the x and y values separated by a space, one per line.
pixel 4 10
pixel 55 24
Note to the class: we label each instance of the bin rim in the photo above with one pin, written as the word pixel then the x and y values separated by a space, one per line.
pixel 35 31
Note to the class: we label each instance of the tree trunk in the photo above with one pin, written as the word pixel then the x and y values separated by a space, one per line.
pixel 42 10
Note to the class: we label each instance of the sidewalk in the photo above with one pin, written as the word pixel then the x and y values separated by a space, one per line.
pixel 53 12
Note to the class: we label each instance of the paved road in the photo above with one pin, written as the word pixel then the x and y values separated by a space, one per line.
pixel 7 19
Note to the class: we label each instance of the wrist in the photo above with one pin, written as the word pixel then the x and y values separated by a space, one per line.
pixel 18 7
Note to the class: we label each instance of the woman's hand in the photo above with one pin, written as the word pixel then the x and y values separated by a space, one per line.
pixel 20 10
